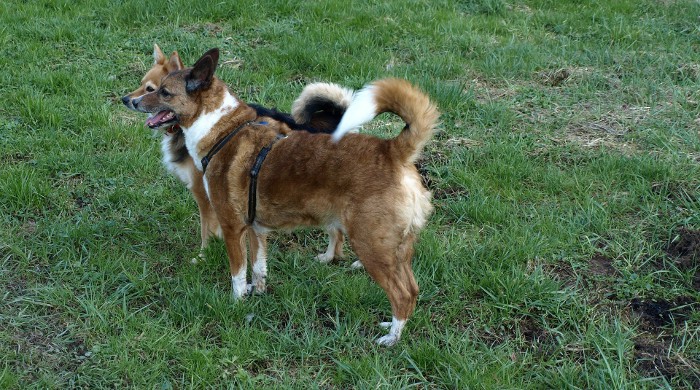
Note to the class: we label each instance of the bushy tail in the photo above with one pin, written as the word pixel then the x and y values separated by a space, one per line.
pixel 401 98
pixel 321 105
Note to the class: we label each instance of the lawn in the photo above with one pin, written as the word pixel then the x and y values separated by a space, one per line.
pixel 564 250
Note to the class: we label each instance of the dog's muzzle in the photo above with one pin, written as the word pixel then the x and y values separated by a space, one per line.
pixel 135 102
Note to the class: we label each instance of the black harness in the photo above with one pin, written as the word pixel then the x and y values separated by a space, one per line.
pixel 220 145
pixel 254 171
pixel 253 190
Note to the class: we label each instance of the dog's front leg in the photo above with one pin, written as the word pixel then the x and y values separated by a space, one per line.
pixel 208 222
pixel 234 236
pixel 258 259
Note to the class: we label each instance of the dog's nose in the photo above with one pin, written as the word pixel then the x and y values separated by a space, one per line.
pixel 135 102
pixel 125 100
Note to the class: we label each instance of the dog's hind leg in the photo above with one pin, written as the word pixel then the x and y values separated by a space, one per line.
pixel 335 245
pixel 391 269
pixel 234 237
pixel 258 259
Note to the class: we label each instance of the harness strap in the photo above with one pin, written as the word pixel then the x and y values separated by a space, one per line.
pixel 220 144
pixel 254 171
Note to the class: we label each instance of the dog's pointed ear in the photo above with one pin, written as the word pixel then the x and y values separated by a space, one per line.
pixel 175 63
pixel 158 56
pixel 202 72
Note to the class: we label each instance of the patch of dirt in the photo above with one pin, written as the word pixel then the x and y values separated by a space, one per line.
pixel 462 142
pixel 595 134
pixel 562 272
pixel 78 349
pixel 543 342
pixel 589 128
pixel 658 313
pixel 656 349
pixel 450 192
pixel 533 337
pixel 439 156
pixel 49 346
pixel 486 91
pixel 554 78
pixel 206 29
pixel 684 249
pixel 674 192
pixel 16 158
pixel 29 227
pixel 211 333
pixel 235 63
pixel 653 357
pixel 653 350
pixel 81 202
pixel 601 265
pixel 326 316
pixel 686 72
pixel 425 176
pixel 68 179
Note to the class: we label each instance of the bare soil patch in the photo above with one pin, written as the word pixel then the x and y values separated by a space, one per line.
pixel 658 313
pixel 684 249
pixel 601 265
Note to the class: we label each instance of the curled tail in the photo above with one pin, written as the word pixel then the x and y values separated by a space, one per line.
pixel 401 98
pixel 321 105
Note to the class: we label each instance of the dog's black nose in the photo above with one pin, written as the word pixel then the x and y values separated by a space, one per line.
pixel 135 102
pixel 125 100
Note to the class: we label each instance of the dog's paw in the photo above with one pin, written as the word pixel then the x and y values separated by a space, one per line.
pixel 239 288
pixel 259 286
pixel 237 296
pixel 388 340
pixel 358 265
pixel 324 258
pixel 198 258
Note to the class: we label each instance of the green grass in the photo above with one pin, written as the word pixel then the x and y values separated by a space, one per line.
pixel 563 251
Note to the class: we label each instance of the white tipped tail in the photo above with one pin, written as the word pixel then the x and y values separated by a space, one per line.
pixel 401 98
pixel 362 110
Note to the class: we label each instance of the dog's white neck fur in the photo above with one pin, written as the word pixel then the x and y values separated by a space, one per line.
pixel 201 127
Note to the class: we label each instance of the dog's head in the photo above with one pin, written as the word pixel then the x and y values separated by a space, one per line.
pixel 181 94
pixel 162 66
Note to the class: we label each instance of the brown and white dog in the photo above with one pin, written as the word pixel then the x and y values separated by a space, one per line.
pixel 318 108
pixel 365 186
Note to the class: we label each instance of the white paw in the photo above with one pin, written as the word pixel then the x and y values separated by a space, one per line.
pixel 258 287
pixel 237 295
pixel 324 258
pixel 357 265
pixel 385 325
pixel 200 257
pixel 240 290
pixel 388 340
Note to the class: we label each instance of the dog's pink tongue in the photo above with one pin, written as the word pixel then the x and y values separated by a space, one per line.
pixel 156 119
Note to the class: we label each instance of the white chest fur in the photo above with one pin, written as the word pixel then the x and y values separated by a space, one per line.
pixel 183 170
pixel 201 127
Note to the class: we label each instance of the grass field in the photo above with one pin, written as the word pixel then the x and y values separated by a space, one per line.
pixel 563 251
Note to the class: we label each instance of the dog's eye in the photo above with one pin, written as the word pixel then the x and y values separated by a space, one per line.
pixel 164 93
pixel 150 89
